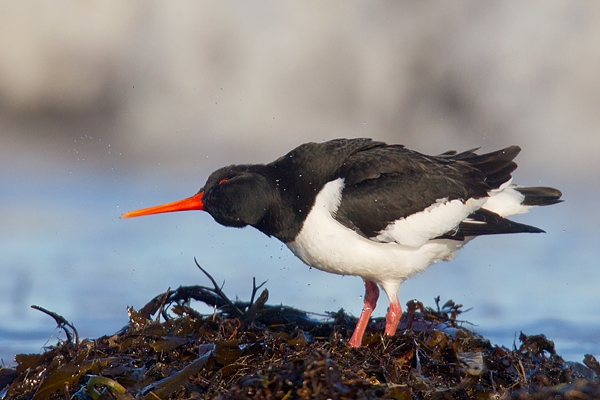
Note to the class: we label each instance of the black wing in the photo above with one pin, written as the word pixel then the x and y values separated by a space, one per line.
pixel 389 183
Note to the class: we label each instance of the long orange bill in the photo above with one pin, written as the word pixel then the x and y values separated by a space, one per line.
pixel 191 203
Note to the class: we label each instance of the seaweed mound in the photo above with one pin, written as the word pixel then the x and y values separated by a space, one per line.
pixel 251 350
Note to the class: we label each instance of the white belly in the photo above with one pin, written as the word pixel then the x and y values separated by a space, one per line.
pixel 352 254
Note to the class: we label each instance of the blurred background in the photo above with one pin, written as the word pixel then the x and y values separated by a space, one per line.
pixel 108 106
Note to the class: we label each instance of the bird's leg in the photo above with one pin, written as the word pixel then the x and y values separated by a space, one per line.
pixel 392 318
pixel 371 296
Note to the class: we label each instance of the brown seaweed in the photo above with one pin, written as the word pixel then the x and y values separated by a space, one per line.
pixel 252 350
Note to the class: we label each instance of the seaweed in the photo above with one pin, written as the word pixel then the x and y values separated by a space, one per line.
pixel 253 350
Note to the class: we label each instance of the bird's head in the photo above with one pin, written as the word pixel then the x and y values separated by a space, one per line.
pixel 234 196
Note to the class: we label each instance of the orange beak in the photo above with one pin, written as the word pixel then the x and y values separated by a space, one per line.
pixel 191 203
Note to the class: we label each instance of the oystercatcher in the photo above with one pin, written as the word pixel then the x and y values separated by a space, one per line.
pixel 365 208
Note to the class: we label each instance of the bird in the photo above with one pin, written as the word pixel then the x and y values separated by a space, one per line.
pixel 365 208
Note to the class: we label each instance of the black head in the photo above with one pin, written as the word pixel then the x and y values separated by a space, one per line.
pixel 237 196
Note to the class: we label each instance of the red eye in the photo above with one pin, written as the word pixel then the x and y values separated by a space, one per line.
pixel 222 181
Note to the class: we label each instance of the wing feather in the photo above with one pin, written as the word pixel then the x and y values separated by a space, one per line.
pixel 395 194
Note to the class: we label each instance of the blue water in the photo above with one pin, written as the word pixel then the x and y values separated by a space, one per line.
pixel 63 247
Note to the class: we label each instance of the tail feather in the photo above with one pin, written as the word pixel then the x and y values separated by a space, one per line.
pixel 539 196
pixel 496 166
pixel 496 160
pixel 496 179
pixel 505 199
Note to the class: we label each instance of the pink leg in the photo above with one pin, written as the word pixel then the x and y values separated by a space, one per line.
pixel 371 296
pixel 392 318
